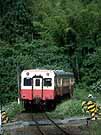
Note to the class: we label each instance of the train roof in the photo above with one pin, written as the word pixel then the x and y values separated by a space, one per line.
pixel 37 70
pixel 56 72
pixel 62 72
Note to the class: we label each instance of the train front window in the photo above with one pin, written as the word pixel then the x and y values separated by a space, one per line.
pixel 27 81
pixel 37 82
pixel 47 82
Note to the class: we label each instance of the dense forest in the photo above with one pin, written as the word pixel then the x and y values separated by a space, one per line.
pixel 52 34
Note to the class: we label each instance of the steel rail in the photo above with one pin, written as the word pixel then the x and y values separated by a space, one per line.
pixel 37 126
pixel 62 130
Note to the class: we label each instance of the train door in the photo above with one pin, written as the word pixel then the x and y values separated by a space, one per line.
pixel 37 87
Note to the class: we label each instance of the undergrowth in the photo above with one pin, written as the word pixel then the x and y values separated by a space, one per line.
pixel 73 107
pixel 12 109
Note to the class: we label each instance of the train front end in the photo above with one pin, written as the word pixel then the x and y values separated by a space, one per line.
pixel 37 86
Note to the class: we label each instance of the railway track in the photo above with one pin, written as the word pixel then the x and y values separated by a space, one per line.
pixel 63 132
pixel 45 115
pixel 39 123
pixel 57 126
pixel 37 126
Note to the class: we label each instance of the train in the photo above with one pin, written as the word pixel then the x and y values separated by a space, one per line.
pixel 44 87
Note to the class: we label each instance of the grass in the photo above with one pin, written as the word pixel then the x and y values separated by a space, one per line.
pixel 12 109
pixel 73 106
pixel 95 128
pixel 67 109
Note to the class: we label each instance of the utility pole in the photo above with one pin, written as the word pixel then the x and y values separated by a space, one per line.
pixel 18 83
pixel 77 68
pixel 1 131
pixel 0 122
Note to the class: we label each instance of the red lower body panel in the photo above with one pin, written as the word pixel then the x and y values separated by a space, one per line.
pixel 43 95
pixel 26 94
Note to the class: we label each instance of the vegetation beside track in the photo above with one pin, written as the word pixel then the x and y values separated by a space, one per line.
pixel 12 109
pixel 73 107
pixel 66 108
pixel 95 128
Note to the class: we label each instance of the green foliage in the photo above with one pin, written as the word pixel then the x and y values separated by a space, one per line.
pixel 73 107
pixel 91 71
pixel 59 34
pixel 15 21
pixel 95 128
pixel 67 109
pixel 12 109
pixel 96 87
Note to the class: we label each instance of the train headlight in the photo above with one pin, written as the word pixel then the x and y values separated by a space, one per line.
pixel 27 73
pixel 47 74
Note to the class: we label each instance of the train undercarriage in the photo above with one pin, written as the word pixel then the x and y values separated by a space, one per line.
pixel 39 105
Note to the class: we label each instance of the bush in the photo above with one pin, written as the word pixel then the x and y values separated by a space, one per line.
pixel 67 109
pixel 12 109
pixel 96 87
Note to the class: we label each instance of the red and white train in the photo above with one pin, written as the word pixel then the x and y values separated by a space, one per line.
pixel 45 86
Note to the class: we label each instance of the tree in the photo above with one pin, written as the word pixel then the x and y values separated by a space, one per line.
pixel 15 21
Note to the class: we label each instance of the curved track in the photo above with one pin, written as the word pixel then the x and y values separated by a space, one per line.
pixel 62 130
pixel 38 127
pixel 45 116
pixel 42 124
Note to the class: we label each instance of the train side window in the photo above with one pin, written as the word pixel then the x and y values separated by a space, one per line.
pixel 37 82
pixel 47 82
pixel 58 82
pixel 27 81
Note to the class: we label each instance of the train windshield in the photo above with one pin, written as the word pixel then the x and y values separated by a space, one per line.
pixel 37 82
pixel 27 81
pixel 47 82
